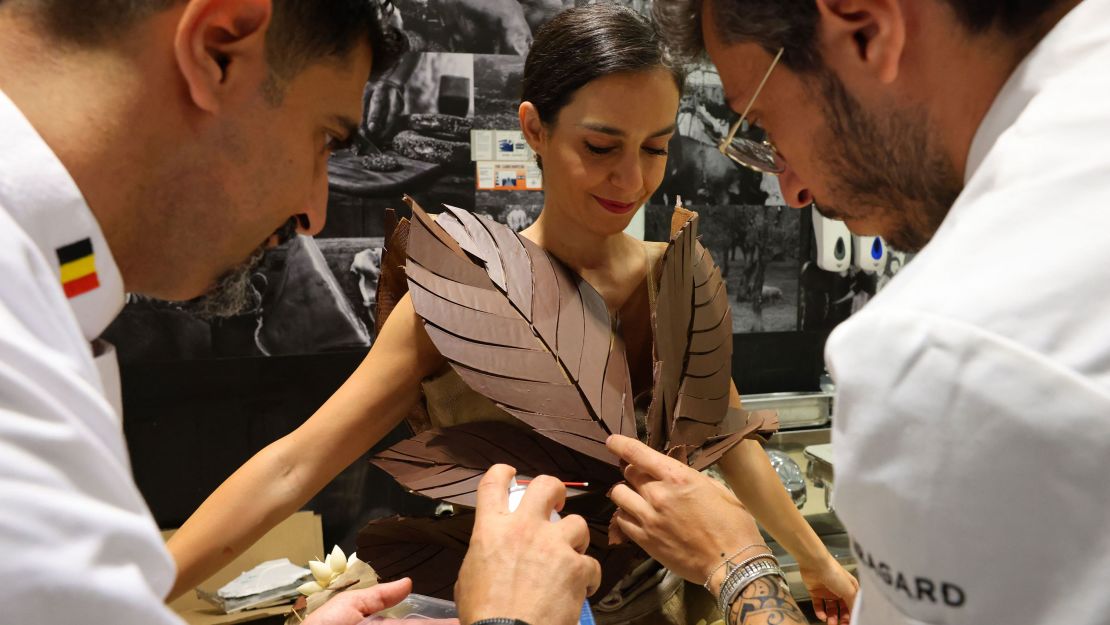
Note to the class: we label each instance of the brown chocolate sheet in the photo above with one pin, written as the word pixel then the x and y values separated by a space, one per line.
pixel 521 329
pixel 448 463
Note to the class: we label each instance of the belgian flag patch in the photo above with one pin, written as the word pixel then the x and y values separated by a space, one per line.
pixel 78 268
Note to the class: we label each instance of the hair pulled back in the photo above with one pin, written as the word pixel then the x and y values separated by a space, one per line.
pixel 585 43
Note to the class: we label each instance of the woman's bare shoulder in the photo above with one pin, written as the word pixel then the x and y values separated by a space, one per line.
pixel 655 249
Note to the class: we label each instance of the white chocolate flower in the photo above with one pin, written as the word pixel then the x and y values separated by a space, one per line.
pixel 325 572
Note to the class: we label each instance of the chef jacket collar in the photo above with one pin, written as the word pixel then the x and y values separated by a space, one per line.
pixel 37 190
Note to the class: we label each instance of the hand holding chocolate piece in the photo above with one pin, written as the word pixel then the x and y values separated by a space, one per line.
pixel 687 521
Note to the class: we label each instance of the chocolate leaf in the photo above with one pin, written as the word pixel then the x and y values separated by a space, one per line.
pixel 693 342
pixel 430 551
pixel 392 284
pixel 704 392
pixel 521 329
pixel 759 423
pixel 449 463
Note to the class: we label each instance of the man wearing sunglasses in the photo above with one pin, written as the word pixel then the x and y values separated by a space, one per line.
pixel 973 413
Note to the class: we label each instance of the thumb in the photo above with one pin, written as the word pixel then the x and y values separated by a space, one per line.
pixel 377 598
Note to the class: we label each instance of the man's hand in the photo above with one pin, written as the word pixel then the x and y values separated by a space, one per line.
pixel 351 607
pixel 521 565
pixel 687 521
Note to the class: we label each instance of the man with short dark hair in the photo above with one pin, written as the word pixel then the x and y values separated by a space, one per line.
pixel 159 147
pixel 971 426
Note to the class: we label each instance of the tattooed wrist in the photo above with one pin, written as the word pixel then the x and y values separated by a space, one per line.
pixel 765 601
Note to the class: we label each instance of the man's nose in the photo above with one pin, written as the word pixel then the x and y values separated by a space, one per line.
pixel 794 191
pixel 315 214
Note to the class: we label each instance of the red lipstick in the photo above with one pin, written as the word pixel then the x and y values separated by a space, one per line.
pixel 612 206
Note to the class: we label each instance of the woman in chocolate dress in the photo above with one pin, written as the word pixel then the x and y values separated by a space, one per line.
pixel 599 107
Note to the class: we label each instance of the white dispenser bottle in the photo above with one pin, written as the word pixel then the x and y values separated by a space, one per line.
pixel 834 243
pixel 869 253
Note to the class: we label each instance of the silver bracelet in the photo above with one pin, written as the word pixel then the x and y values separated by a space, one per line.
pixel 728 614
pixel 741 576
pixel 728 560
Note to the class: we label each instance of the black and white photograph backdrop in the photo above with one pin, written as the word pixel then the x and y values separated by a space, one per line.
pixel 497 87
pixel 475 26
pixel 517 209
pixel 415 139
pixel 643 7
pixel 465 73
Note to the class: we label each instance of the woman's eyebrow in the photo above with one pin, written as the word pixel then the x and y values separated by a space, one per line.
pixel 617 132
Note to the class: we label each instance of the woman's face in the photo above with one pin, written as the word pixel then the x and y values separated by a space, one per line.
pixel 606 153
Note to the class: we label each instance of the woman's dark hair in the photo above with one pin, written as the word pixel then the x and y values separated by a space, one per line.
pixel 585 43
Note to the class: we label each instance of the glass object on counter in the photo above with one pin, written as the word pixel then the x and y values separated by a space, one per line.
pixel 417 609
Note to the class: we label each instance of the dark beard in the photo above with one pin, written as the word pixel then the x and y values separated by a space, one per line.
pixel 234 294
pixel 888 164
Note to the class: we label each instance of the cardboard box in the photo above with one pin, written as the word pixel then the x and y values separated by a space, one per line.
pixel 299 538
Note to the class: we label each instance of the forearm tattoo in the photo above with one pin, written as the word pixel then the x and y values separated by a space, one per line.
pixel 765 602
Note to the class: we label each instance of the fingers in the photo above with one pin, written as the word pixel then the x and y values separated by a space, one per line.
pixel 575 532
pixel 645 458
pixel 636 476
pixel 493 491
pixel 631 528
pixel 630 502
pixel 544 494
pixel 380 597
pixel 594 576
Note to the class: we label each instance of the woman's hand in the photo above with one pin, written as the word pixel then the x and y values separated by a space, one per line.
pixel 352 607
pixel 833 590
pixel 687 521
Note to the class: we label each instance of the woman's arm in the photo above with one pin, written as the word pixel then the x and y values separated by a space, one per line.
pixel 750 475
pixel 281 478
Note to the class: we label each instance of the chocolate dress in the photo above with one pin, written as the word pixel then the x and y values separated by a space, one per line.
pixel 538 378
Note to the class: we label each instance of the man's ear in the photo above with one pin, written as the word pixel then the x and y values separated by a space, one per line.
pixel 862 36
pixel 532 126
pixel 220 48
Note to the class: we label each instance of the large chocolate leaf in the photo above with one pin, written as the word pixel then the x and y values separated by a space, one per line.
pixel 521 329
pixel 428 550
pixel 448 464
pixel 392 284
pixel 704 392
pixel 693 342
pixel 758 423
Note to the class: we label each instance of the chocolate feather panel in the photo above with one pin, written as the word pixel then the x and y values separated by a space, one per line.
pixel 448 463
pixel 671 321
pixel 761 423
pixel 430 551
pixel 392 285
pixel 703 391
pixel 521 329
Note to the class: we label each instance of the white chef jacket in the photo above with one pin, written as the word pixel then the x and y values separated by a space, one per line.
pixel 972 432
pixel 77 542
